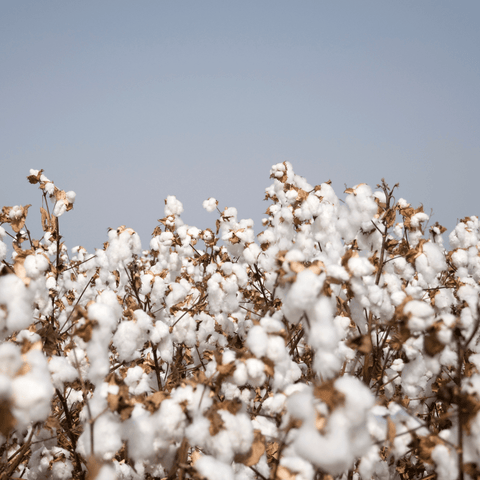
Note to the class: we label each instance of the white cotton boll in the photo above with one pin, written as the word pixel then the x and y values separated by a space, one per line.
pixel 302 294
pixel 240 375
pixel 60 208
pixel 49 186
pixel 266 426
pixel 210 205
pixel 271 325
pixel 105 315
pixel 338 272
pixel 436 258
pixel 173 206
pixel 16 212
pixel 35 265
pixel 251 253
pixel 331 453
pixel 276 350
pixel 170 420
pixel 3 250
pixel 460 258
pixel 127 340
pixel 419 309
pixel 397 298
pixel 177 294
pixel 240 273
pixel 213 469
pixel 256 371
pixel 71 196
pixel 61 470
pixel 106 473
pixel 257 341
pixel 360 266
pixel 326 363
pixel 106 434
pixel 62 371
pixel 198 431
pixel 275 404
pixel 32 392
pixel 144 321
pixel 139 431
pixel 134 374
pixel 165 350
pixel 446 462
pixel 159 332
pixel 419 217
pixel 10 359
pixel 444 299
pixel 15 296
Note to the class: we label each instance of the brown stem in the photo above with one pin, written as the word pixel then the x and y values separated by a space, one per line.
pixel 70 433
pixel 157 368
pixel 20 454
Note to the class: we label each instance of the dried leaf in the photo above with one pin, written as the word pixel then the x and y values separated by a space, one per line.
pixel 256 451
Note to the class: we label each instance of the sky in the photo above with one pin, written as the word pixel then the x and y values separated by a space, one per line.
pixel 127 102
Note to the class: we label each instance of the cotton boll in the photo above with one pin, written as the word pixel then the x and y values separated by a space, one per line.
pixel 256 371
pixel 16 298
pixel 302 294
pixel 62 371
pixel 10 359
pixel 106 473
pixel 35 265
pixel 32 392
pixel 446 462
pixel 173 206
pixel 107 437
pixel 139 431
pixel 128 339
pixel 213 469
pixel 257 341
pixel 276 348
pixel 460 258
pixel 360 266
pixel 60 208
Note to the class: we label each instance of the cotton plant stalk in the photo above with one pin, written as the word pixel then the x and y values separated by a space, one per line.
pixel 341 341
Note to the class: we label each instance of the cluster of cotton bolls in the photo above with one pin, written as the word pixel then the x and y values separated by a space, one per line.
pixel 339 342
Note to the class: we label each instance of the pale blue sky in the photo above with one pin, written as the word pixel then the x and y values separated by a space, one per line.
pixel 128 102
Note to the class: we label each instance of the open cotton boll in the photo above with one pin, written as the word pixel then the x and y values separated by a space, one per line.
pixel 17 300
pixel 445 461
pixel 422 315
pixel 213 469
pixel 210 205
pixel 33 391
pixel 173 206
pixel 10 359
pixel 60 208
pixel 35 265
pixel 139 431
pixel 106 434
pixel 128 339
pixel 257 341
pixel 62 371
pixel 360 266
pixel 302 294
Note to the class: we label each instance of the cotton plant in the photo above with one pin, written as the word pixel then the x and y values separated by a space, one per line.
pixel 338 342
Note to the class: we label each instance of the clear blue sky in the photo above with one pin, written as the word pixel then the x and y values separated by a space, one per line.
pixel 128 102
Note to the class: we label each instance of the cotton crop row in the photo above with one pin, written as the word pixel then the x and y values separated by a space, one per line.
pixel 339 342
